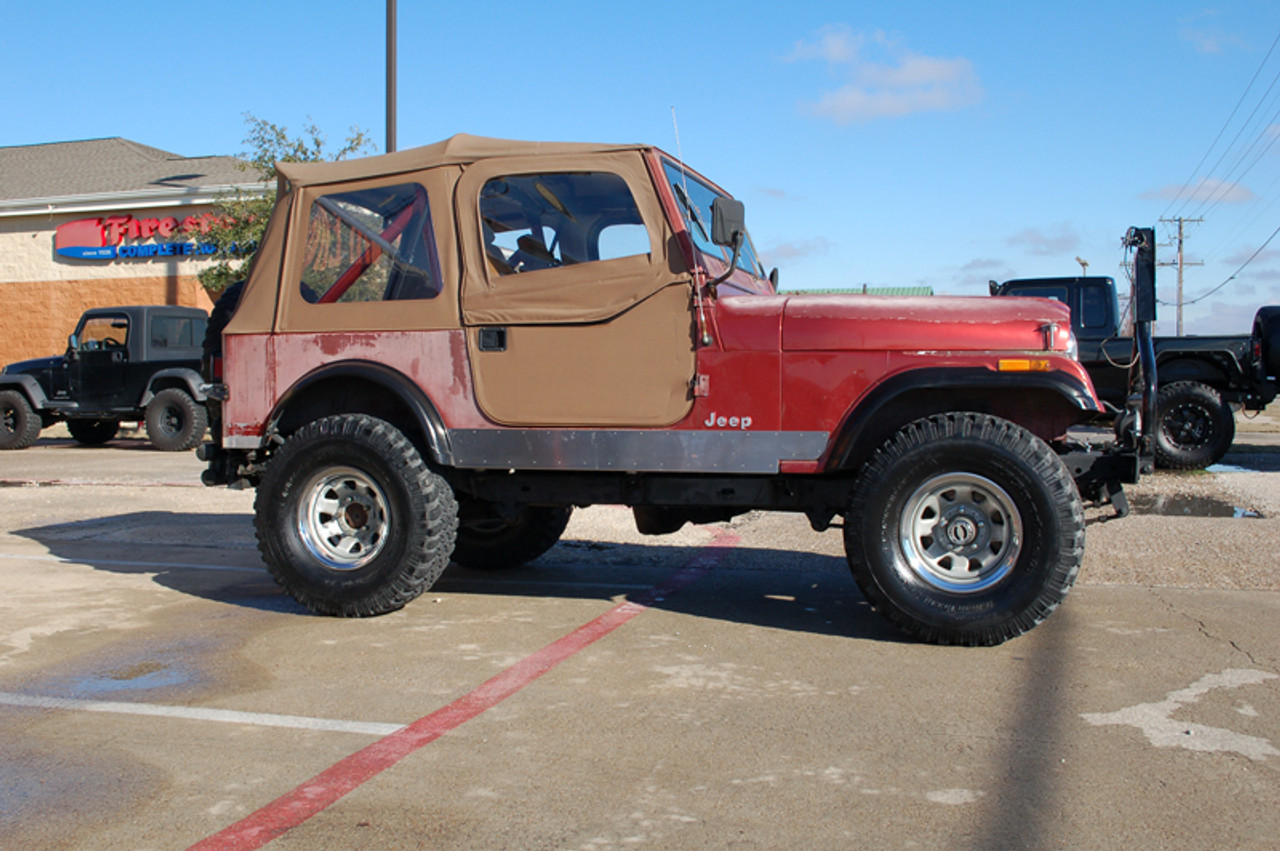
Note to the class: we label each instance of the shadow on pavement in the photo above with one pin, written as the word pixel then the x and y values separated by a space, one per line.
pixel 214 557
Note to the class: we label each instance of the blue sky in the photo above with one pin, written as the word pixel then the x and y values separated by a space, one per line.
pixel 895 143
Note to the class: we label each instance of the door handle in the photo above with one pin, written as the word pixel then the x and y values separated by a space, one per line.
pixel 493 340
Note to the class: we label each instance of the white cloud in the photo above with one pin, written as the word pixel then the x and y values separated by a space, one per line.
pixel 1210 41
pixel 1060 239
pixel 1209 188
pixel 885 79
pixel 800 248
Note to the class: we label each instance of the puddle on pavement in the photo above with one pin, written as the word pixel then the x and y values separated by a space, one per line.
pixel 145 675
pixel 1186 505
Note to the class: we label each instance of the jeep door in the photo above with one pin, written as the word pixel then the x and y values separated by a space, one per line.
pixel 575 298
pixel 99 362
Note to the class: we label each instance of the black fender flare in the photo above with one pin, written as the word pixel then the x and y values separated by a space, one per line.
pixel 404 389
pixel 29 387
pixel 187 376
pixel 1218 370
pixel 873 418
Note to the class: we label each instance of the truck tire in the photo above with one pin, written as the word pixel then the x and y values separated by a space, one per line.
pixel 175 421
pixel 964 529
pixel 1266 341
pixel 489 541
pixel 350 520
pixel 223 309
pixel 92 432
pixel 19 424
pixel 1194 426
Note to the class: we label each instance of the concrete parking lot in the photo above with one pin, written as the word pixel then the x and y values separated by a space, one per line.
pixel 722 687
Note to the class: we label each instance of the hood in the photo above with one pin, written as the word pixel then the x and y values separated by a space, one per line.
pixel 30 367
pixel 899 323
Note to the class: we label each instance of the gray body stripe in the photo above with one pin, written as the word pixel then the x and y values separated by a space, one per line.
pixel 617 450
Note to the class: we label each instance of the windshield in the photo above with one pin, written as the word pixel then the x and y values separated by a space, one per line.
pixel 694 198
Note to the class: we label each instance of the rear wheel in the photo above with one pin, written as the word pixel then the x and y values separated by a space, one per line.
pixel 19 423
pixel 491 540
pixel 965 529
pixel 93 432
pixel 175 421
pixel 350 520
pixel 1194 426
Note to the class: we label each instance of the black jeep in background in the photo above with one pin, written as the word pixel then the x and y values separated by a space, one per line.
pixel 122 363
pixel 1202 380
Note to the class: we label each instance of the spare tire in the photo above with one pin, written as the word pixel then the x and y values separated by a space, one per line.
pixel 1266 341
pixel 223 309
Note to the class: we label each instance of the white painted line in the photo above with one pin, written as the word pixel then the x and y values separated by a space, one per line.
pixel 195 713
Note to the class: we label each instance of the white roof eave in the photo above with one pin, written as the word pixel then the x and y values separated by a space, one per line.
pixel 101 202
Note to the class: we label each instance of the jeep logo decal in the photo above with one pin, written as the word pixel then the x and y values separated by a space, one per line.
pixel 714 421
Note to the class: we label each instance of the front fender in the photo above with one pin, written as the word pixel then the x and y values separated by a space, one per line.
pixel 1038 401
pixel 29 387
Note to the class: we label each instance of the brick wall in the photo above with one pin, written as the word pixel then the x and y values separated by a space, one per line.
pixel 42 294
pixel 36 317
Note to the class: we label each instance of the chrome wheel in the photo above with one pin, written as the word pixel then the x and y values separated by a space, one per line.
pixel 960 532
pixel 343 518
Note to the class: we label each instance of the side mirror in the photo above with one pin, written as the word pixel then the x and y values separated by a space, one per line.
pixel 728 221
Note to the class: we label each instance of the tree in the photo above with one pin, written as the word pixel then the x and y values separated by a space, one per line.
pixel 241 217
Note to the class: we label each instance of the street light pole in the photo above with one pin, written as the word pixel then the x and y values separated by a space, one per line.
pixel 391 75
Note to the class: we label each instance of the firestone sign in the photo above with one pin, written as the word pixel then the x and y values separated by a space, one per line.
pixel 121 235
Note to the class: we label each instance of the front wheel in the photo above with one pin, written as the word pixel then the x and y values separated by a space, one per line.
pixel 19 423
pixel 965 529
pixel 175 421
pixel 1194 427
pixel 350 520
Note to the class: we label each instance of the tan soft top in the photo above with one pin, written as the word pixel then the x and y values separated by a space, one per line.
pixel 459 149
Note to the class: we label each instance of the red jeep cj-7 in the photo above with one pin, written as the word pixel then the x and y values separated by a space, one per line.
pixel 438 352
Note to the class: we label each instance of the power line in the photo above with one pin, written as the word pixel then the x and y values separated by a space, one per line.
pixel 1225 125
pixel 1237 271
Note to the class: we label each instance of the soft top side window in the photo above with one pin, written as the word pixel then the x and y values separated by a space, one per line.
pixel 370 245
pixel 539 221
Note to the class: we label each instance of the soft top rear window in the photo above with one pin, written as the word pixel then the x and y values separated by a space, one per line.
pixel 370 245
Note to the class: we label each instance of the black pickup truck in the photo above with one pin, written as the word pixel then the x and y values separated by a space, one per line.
pixel 1202 380
pixel 139 362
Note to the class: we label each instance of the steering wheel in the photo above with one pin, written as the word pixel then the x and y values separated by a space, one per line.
pixel 111 341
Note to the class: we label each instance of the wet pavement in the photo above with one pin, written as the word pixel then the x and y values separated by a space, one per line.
pixel 725 686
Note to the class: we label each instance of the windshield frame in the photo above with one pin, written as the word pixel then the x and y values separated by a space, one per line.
pixel 694 225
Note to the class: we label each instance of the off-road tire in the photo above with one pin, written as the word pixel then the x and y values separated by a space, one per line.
pixel 1194 426
pixel 92 432
pixel 175 421
pixel 350 520
pixel 19 424
pixel 488 541
pixel 1266 341
pixel 223 309
pixel 964 529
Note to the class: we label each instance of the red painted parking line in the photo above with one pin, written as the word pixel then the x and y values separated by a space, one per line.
pixel 318 793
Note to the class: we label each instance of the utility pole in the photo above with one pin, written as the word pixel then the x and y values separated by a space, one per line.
pixel 1181 263
pixel 391 75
